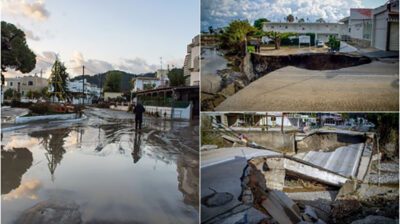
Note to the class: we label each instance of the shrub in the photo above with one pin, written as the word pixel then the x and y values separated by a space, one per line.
pixel 40 108
pixel 12 93
pixel 103 105
pixel 250 48
pixel 17 103
pixel 33 94
pixel 333 43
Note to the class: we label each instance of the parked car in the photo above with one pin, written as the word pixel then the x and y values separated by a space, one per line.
pixel 320 43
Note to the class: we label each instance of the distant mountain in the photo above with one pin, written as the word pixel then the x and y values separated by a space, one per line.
pixel 100 78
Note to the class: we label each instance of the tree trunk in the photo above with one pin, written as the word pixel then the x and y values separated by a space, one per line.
pixel 277 43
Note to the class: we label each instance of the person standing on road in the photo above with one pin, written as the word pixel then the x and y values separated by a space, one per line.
pixel 138 111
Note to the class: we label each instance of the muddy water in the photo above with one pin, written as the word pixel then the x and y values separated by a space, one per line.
pixel 111 173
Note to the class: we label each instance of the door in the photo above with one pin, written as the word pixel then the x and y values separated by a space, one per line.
pixel 394 37
pixel 380 31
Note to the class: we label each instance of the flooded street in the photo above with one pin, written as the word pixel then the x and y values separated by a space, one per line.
pixel 102 171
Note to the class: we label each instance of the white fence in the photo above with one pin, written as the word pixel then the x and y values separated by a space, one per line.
pixel 169 112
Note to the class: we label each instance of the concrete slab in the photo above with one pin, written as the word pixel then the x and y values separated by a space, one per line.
pixel 221 155
pixel 344 160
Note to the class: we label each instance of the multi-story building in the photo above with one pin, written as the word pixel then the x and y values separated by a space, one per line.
pixel 25 83
pixel 162 75
pixel 146 83
pixel 191 65
pixel 359 26
pixel 76 88
pixel 322 30
pixel 385 26
pixel 365 27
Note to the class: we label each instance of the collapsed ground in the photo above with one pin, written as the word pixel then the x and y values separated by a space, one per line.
pixel 310 81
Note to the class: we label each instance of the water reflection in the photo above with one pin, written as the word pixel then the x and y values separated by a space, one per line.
pixel 14 163
pixel 188 178
pixel 120 189
pixel 53 142
pixel 137 153
pixel 28 189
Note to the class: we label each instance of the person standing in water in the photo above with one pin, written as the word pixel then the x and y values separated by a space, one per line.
pixel 138 111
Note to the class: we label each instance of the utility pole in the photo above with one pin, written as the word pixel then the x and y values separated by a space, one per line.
pixel 83 83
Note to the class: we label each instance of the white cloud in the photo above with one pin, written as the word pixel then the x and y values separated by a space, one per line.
pixel 44 62
pixel 28 33
pixel 92 66
pixel 137 66
pixel 34 10
pixel 219 13
pixel 175 62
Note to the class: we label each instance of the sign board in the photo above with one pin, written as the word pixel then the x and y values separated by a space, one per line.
pixel 304 40
pixel 266 39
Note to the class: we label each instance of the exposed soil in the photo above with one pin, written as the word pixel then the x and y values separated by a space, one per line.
pixel 264 64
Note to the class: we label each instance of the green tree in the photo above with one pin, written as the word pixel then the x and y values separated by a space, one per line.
pixel 44 91
pixel 15 53
pixel 235 35
pixel 333 43
pixel 149 86
pixel 277 36
pixel 290 18
pixel 132 83
pixel 320 20
pixel 58 81
pixel 176 77
pixel 113 81
pixel 301 20
pixel 12 93
pixel 258 23
pixel 210 29
pixel 33 94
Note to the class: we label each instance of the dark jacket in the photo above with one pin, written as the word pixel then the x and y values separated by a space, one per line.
pixel 138 110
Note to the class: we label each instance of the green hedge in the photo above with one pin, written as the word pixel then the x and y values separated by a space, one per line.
pixel 158 103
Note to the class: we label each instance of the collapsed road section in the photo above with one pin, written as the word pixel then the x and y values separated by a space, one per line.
pixel 330 176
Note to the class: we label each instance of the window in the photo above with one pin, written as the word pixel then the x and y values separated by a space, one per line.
pixel 30 83
pixel 11 84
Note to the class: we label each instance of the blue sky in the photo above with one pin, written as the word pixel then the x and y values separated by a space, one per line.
pixel 219 13
pixel 106 34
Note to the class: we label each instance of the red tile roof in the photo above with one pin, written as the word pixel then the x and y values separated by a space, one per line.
pixel 365 12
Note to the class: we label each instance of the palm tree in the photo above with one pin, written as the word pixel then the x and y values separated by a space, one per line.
pixel 290 18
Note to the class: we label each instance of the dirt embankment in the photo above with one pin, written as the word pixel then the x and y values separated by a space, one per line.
pixel 264 64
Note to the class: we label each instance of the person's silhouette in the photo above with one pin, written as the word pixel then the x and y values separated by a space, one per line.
pixel 137 154
pixel 138 111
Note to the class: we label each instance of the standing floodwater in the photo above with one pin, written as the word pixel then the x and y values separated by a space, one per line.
pixel 101 171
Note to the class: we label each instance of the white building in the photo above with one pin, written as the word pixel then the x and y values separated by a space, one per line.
pixel 385 26
pixel 91 91
pixel 191 65
pixel 322 30
pixel 145 83
pixel 162 75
